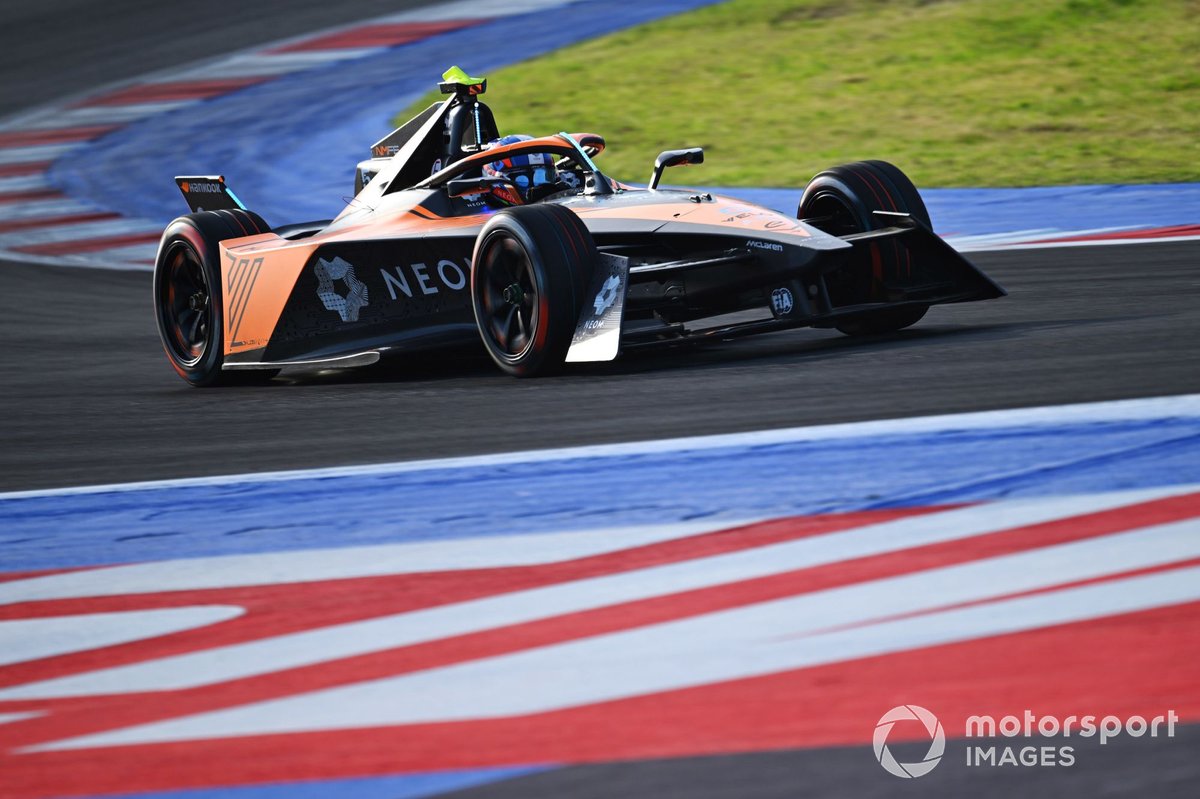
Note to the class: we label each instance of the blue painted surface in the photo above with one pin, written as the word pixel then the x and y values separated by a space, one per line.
pixel 978 212
pixel 289 147
pixel 733 482
pixel 404 786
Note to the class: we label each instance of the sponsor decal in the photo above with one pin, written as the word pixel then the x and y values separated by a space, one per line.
pixel 571 178
pixel 764 245
pixel 782 301
pixel 507 195
pixel 607 295
pixel 745 215
pixel 937 743
pixel 192 187
pixel 347 305
pixel 419 277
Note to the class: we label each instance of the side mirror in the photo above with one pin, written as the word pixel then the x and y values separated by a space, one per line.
pixel 460 187
pixel 668 158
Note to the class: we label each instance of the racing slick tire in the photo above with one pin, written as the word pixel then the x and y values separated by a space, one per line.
pixel 530 271
pixel 841 201
pixel 187 295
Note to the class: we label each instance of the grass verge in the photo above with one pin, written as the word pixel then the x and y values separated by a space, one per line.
pixel 956 92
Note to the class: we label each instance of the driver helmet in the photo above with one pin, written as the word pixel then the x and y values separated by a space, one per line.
pixel 527 171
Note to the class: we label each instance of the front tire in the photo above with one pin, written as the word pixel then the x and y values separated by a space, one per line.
pixel 530 270
pixel 188 306
pixel 842 201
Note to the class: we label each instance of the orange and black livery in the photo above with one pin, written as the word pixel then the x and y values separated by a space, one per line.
pixel 436 250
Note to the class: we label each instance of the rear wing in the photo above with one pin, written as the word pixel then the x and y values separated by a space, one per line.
pixel 208 193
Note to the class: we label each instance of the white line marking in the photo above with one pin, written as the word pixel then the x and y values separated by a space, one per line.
pixel 268 64
pixel 992 238
pixel 469 9
pixel 1047 416
pixel 765 638
pixel 81 231
pixel 1050 245
pixel 22 640
pixel 91 259
pixel 132 252
pixel 39 209
pixel 279 568
pixel 309 647
pixel 101 114
pixel 463 9
pixel 23 183
pixel 9 718
pixel 34 153
pixel 1002 240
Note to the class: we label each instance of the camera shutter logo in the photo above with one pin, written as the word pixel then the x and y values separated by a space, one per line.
pixel 937 745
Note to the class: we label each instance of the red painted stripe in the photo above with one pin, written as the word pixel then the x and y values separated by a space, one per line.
pixel 80 716
pixel 6 577
pixel 27 168
pixel 378 36
pixel 51 221
pixel 1150 233
pixel 88 245
pixel 280 609
pixel 167 92
pixel 33 138
pixel 30 194
pixel 1141 663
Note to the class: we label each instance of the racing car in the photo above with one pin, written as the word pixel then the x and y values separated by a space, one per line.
pixel 457 235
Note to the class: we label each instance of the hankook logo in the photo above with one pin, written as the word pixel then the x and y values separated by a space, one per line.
pixel 937 745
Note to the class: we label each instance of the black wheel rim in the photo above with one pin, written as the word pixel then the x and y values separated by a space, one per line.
pixel 830 213
pixel 186 305
pixel 508 297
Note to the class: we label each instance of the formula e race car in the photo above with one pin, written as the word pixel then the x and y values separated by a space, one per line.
pixel 456 235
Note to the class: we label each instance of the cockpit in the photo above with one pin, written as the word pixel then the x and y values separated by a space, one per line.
pixel 455 145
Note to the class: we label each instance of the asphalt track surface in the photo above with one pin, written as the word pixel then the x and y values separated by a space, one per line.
pixel 89 398
pixel 53 49
pixel 86 395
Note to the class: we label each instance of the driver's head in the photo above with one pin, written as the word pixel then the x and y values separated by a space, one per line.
pixel 527 171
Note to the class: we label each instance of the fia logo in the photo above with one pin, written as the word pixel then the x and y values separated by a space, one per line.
pixel 781 301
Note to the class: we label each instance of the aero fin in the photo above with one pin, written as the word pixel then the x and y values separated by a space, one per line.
pixel 208 193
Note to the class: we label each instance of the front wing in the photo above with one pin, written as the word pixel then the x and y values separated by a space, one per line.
pixel 797 295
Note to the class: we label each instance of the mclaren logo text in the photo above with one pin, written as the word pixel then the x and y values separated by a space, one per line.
pixel 764 245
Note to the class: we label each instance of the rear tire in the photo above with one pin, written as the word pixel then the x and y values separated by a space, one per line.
pixel 188 306
pixel 842 201
pixel 530 271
